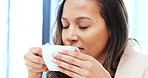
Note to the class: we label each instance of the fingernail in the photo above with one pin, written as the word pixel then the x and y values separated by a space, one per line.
pixel 77 49
pixel 60 51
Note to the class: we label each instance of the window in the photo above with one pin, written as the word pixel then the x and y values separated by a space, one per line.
pixel 3 37
pixel 138 25
pixel 20 29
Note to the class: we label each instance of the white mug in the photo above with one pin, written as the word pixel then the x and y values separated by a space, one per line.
pixel 48 50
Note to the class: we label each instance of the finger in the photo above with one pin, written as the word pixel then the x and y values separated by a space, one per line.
pixel 34 58
pixel 32 69
pixel 47 70
pixel 36 51
pixel 77 55
pixel 35 65
pixel 77 50
pixel 69 73
pixel 69 59
pixel 68 66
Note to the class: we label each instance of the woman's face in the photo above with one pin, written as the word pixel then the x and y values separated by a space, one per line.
pixel 84 27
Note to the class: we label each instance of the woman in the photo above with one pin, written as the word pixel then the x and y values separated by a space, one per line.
pixel 99 29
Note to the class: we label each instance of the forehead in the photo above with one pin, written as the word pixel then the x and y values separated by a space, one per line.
pixel 80 8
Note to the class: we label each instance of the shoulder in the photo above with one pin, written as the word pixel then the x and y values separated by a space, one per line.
pixel 134 60
pixel 145 73
pixel 132 64
pixel 141 62
pixel 134 57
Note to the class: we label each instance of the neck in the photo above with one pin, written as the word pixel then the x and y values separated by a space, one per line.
pixel 101 61
pixel 101 58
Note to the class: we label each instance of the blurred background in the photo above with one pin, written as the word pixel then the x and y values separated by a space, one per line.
pixel 28 23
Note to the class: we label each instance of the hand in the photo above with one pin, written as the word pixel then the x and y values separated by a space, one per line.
pixel 79 65
pixel 35 63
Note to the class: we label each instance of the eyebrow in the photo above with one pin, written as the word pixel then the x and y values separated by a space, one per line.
pixel 79 18
pixel 63 18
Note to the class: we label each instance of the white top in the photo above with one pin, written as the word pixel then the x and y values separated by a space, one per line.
pixel 132 64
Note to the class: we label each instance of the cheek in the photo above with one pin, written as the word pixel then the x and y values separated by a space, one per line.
pixel 97 35
pixel 63 37
pixel 96 41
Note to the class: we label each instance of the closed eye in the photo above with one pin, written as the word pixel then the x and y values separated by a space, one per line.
pixel 65 27
pixel 83 27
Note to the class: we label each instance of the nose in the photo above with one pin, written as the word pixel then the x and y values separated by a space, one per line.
pixel 72 35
